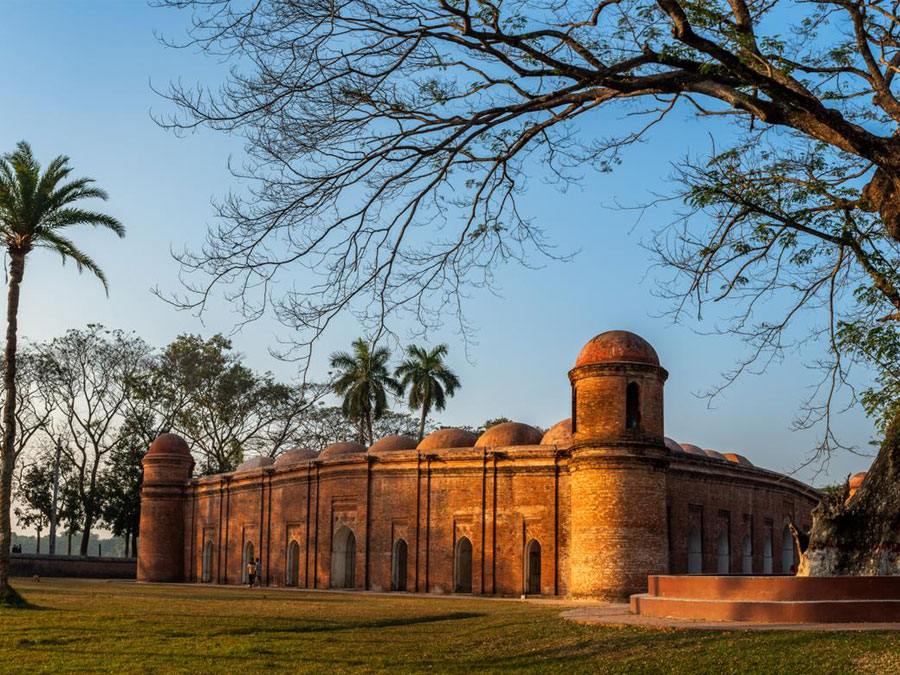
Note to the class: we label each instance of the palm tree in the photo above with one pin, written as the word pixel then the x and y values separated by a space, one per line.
pixel 36 209
pixel 364 381
pixel 428 379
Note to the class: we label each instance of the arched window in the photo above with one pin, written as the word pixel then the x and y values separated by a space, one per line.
pixel 695 551
pixel 787 551
pixel 533 568
pixel 206 563
pixel 343 559
pixel 723 553
pixel 462 566
pixel 398 565
pixel 747 566
pixel 247 559
pixel 767 554
pixel 292 578
pixel 632 406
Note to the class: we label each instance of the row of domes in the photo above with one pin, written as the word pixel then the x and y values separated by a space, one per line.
pixel 506 434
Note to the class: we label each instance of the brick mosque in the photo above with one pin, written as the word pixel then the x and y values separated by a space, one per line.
pixel 589 508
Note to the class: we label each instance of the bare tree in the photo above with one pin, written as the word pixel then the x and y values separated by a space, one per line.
pixel 85 375
pixel 388 141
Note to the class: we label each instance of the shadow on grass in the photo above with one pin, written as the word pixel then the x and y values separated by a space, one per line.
pixel 11 599
pixel 354 625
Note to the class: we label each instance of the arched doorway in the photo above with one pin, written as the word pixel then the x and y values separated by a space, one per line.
pixel 398 565
pixel 247 559
pixel 695 551
pixel 293 565
pixel 206 563
pixel 767 554
pixel 747 566
pixel 723 553
pixel 533 568
pixel 462 566
pixel 343 559
pixel 787 551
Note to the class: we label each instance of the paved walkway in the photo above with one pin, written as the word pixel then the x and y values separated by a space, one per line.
pixel 617 614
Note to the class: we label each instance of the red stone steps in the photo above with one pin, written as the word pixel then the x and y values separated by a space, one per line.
pixel 771 599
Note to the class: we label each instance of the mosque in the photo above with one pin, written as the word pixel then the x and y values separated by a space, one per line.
pixel 588 509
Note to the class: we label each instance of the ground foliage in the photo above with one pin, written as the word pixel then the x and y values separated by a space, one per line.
pixel 96 626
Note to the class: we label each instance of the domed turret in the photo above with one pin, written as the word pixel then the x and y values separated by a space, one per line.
pixel 393 444
pixel 508 434
pixel 167 469
pixel 617 346
pixel 559 434
pixel 294 456
pixel 738 459
pixel 447 438
pixel 345 448
pixel 254 463
pixel 618 448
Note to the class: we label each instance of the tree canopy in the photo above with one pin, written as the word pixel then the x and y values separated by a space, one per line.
pixel 389 143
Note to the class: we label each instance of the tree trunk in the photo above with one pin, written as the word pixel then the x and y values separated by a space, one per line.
pixel 86 533
pixel 8 448
pixel 127 541
pixel 369 425
pixel 134 544
pixel 422 422
pixel 38 549
pixel 859 536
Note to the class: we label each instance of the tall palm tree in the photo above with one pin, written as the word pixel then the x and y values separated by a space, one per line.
pixel 428 380
pixel 363 380
pixel 36 210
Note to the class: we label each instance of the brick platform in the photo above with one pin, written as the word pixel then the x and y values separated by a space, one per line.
pixel 778 599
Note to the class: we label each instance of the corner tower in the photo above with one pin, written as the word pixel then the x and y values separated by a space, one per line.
pixel 167 468
pixel 617 471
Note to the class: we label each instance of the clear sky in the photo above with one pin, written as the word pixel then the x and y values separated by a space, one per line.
pixel 77 80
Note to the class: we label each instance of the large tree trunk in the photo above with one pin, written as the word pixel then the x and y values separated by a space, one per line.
pixel 859 536
pixel 7 450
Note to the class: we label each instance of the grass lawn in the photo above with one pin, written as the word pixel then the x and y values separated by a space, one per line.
pixel 126 627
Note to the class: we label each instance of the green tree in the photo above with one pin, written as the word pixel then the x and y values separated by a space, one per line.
pixel 37 208
pixel 34 492
pixel 363 380
pixel 202 390
pixel 86 374
pixel 427 379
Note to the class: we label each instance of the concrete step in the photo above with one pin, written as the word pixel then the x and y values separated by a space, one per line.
pixel 768 611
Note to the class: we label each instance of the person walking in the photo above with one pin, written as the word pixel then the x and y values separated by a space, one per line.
pixel 257 573
pixel 251 572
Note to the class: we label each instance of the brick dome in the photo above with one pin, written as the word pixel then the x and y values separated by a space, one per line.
pixel 693 449
pixel 617 346
pixel 715 454
pixel 340 449
pixel 559 434
pixel 507 434
pixel 738 459
pixel 295 456
pixel 255 463
pixel 169 444
pixel 448 438
pixel 672 446
pixel 393 444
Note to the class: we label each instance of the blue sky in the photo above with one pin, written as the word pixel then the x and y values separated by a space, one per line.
pixel 78 81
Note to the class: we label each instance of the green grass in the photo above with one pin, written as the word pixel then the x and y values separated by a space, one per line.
pixel 126 627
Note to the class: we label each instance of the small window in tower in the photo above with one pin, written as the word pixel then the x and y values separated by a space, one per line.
pixel 574 408
pixel 632 406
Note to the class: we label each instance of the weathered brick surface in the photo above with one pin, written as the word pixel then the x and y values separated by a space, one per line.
pixel 608 511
